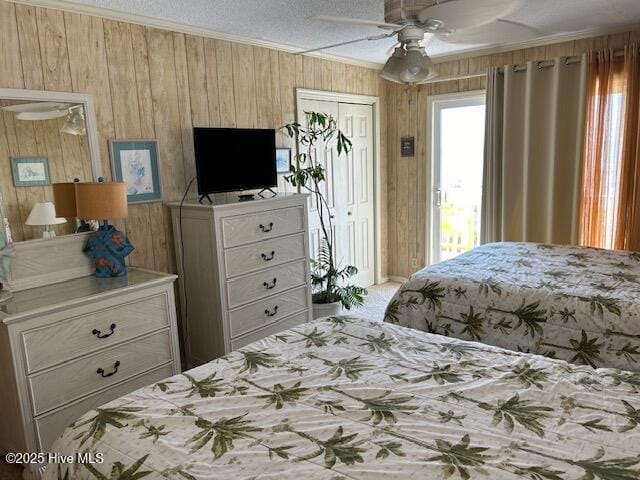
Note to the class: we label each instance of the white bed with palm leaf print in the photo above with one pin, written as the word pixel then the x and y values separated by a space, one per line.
pixel 577 304
pixel 347 398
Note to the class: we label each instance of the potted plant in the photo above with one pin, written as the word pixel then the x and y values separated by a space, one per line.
pixel 331 292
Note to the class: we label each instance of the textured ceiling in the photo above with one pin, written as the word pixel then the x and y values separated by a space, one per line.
pixel 288 22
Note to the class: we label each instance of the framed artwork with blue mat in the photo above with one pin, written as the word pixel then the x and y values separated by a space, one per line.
pixel 136 163
pixel 30 171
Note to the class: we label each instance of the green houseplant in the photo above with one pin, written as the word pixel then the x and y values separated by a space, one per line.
pixel 331 292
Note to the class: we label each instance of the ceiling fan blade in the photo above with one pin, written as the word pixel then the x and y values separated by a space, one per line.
pixel 36 107
pixel 463 14
pixel 356 21
pixel 498 32
pixel 34 116
pixel 327 47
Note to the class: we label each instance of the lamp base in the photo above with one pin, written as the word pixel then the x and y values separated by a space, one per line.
pixel 108 247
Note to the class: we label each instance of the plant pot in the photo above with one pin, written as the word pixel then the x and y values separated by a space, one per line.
pixel 321 310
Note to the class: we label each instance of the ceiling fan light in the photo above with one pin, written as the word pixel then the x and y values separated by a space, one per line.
pixel 394 66
pixel 75 124
pixel 418 67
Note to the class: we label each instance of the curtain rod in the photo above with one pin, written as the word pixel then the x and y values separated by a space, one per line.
pixel 573 60
pixel 517 68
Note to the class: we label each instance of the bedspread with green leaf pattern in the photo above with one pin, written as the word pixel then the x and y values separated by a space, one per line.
pixel 347 398
pixel 576 304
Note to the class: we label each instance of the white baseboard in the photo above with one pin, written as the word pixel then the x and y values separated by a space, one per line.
pixel 393 278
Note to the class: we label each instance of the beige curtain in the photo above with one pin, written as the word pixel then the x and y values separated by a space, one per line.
pixel 533 152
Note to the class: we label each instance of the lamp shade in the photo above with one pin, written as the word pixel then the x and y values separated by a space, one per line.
pixel 64 199
pixel 44 214
pixel 101 200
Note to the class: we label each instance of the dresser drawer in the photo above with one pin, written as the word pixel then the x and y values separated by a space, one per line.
pixel 254 227
pixel 50 425
pixel 266 283
pixel 241 260
pixel 77 378
pixel 284 324
pixel 82 334
pixel 267 311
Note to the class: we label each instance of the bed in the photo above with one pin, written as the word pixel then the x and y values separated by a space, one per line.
pixel 347 398
pixel 576 304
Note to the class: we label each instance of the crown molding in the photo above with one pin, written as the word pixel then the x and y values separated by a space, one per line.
pixel 109 14
pixel 537 42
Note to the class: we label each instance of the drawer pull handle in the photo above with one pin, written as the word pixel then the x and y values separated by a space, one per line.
pixel 272 285
pixel 271 313
pixel 99 334
pixel 267 228
pixel 115 370
pixel 268 258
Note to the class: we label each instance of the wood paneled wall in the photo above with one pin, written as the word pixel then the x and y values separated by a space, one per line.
pixel 68 157
pixel 150 83
pixel 407 187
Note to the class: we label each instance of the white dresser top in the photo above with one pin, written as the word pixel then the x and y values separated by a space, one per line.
pixel 27 303
pixel 233 201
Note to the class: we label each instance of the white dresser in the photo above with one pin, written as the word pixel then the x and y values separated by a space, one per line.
pixel 244 271
pixel 68 347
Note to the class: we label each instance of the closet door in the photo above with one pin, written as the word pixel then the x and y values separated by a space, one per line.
pixel 356 214
pixel 348 188
pixel 326 154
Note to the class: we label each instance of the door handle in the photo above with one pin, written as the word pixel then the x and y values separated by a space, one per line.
pixel 437 197
pixel 349 213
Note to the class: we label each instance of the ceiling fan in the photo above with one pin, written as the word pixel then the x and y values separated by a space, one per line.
pixel 417 22
pixel 36 111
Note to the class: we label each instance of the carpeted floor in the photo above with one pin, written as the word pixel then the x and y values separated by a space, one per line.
pixel 376 301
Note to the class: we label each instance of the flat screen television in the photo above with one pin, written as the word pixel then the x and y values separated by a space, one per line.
pixel 234 159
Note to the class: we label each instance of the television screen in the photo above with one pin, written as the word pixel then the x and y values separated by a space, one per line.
pixel 234 159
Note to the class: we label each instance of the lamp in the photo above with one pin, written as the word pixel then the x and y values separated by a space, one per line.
pixel 64 199
pixel 75 124
pixel 44 214
pixel 107 247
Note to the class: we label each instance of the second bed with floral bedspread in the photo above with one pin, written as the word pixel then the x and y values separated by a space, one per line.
pixel 346 398
pixel 577 304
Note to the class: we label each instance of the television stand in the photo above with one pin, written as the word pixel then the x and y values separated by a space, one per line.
pixel 274 194
pixel 203 197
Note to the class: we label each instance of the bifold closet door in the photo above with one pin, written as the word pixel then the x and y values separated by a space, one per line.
pixel 356 215
pixel 348 187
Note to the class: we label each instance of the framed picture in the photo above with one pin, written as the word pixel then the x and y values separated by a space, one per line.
pixel 30 171
pixel 135 162
pixel 283 160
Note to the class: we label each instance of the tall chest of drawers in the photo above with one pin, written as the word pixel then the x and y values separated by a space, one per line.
pixel 68 347
pixel 244 272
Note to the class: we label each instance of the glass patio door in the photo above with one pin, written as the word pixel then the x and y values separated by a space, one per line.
pixel 457 142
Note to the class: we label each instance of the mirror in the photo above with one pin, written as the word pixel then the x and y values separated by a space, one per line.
pixel 45 138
